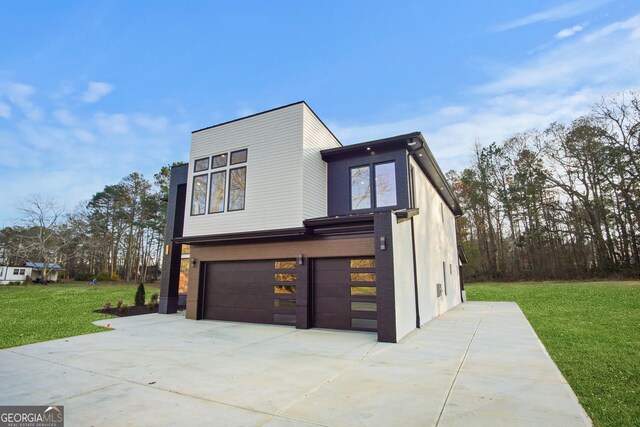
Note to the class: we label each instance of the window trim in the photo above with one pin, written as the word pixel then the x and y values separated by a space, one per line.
pixel 195 162
pixel 224 191
pixel 193 186
pixel 244 194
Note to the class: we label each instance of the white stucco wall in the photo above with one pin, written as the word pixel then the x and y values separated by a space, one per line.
pixel 435 244
pixel 403 278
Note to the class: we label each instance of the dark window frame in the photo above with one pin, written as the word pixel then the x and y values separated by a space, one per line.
pixel 373 196
pixel 395 186
pixel 224 192
pixel 195 164
pixel 226 161
pixel 193 186
pixel 244 193
pixel 246 159
pixel 371 201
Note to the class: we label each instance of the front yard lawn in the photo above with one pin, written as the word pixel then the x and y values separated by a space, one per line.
pixel 592 332
pixel 34 313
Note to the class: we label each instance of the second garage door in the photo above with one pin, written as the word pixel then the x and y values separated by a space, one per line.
pixel 344 295
pixel 251 291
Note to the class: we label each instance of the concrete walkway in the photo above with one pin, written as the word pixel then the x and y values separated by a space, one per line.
pixel 479 364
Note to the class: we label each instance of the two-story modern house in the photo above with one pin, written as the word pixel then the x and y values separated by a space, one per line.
pixel 274 221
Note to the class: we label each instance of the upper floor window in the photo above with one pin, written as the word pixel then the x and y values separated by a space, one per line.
pixel 385 184
pixel 237 188
pixel 219 161
pixel 385 193
pixel 239 156
pixel 199 195
pixel 226 186
pixel 360 188
pixel 201 165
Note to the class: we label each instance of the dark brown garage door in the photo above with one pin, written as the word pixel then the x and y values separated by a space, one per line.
pixel 251 291
pixel 345 293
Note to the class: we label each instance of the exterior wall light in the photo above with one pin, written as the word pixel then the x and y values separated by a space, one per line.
pixel 300 259
pixel 194 262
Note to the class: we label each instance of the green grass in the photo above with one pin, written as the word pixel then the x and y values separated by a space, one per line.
pixel 592 332
pixel 35 313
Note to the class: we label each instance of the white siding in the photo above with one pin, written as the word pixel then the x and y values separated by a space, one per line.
pixel 403 278
pixel 7 275
pixel 274 172
pixel 435 244
pixel 316 137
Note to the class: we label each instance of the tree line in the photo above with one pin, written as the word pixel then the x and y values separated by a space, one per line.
pixel 558 203
pixel 117 234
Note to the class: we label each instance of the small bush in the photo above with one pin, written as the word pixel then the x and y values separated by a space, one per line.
pixel 154 298
pixel 140 295
pixel 152 306
pixel 83 277
pixel 119 304
pixel 107 306
pixel 105 276
pixel 123 307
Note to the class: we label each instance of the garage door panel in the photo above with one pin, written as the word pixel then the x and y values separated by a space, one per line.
pixel 243 277
pixel 241 315
pixel 335 304
pixel 238 289
pixel 243 291
pixel 236 266
pixel 240 301
pixel 332 305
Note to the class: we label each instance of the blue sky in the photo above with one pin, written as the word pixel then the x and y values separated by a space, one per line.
pixel 93 90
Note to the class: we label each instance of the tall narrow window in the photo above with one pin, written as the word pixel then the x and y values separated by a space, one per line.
pixel 360 188
pixel 412 187
pixel 199 195
pixel 237 187
pixel 444 274
pixel 216 197
pixel 385 184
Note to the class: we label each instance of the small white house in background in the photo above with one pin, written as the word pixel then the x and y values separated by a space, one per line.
pixel 33 270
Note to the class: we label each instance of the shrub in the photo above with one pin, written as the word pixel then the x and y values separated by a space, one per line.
pixel 119 304
pixel 154 298
pixel 123 307
pixel 140 295
pixel 107 306
pixel 83 277
pixel 104 276
pixel 152 305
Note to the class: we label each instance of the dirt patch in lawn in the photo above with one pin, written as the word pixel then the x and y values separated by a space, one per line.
pixel 134 310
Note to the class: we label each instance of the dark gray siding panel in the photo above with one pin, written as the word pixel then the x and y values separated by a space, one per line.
pixel 339 188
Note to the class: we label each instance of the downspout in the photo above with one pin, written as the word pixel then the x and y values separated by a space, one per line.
pixel 413 236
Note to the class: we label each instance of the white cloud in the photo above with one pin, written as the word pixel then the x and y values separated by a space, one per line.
pixel 152 124
pixel 64 117
pixel 603 57
pixel 112 124
pixel 568 32
pixel 20 95
pixel 563 11
pixel 95 91
pixel 5 110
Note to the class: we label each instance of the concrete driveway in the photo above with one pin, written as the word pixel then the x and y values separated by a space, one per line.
pixel 479 364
